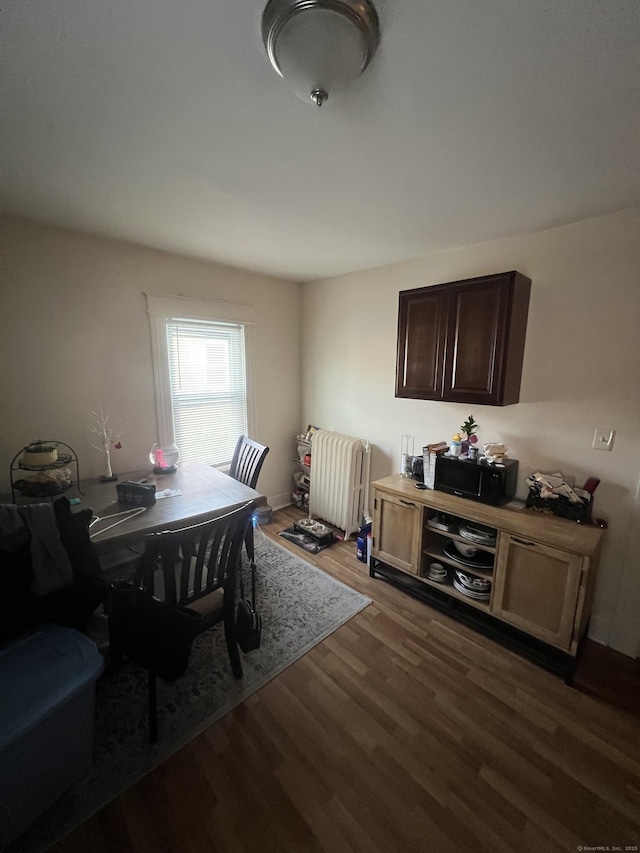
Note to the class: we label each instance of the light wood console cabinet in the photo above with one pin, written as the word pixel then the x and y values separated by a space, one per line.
pixel 537 574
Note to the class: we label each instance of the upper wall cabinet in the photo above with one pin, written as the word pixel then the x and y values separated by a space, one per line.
pixel 464 341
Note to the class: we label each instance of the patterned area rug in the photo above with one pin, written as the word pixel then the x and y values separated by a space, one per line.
pixel 300 606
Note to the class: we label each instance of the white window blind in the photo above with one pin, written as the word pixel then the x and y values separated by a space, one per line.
pixel 207 377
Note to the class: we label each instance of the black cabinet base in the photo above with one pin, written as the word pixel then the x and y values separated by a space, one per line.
pixel 551 659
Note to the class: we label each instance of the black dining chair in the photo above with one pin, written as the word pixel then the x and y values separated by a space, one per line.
pixel 248 458
pixel 186 583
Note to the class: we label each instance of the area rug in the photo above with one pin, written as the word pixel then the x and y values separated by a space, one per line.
pixel 300 606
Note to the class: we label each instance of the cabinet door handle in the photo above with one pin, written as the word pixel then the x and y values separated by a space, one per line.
pixel 523 542
pixel 406 503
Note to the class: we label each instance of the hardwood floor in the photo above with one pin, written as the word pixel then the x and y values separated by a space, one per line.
pixel 402 731
pixel 609 675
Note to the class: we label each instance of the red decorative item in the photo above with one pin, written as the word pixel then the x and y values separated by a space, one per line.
pixel 591 485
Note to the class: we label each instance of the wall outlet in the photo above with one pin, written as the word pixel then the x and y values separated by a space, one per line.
pixel 603 439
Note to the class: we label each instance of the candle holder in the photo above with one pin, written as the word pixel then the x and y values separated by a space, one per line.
pixel 406 455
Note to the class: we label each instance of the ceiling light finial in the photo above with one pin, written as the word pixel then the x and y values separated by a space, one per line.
pixel 319 46
pixel 319 96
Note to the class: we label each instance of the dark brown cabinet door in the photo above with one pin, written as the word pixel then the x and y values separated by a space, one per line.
pixel 464 341
pixel 422 335
pixel 475 358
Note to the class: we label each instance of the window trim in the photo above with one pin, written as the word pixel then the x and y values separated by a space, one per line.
pixel 163 308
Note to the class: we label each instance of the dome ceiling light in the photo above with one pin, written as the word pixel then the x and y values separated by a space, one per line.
pixel 319 46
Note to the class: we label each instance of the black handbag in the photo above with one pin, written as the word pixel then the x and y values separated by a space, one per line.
pixel 248 620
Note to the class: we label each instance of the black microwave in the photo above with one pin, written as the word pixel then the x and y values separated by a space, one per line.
pixel 484 481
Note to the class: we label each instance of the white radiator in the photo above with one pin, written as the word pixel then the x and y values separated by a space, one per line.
pixel 339 480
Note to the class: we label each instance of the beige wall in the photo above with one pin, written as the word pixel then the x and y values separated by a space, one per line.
pixel 581 371
pixel 75 337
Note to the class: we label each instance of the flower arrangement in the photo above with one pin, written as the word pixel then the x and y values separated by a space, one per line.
pixel 462 441
pixel 468 430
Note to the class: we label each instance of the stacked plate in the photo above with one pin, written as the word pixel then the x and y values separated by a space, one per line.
pixel 472 586
pixel 480 560
pixel 477 533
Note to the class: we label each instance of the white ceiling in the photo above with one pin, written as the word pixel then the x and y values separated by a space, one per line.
pixel 162 122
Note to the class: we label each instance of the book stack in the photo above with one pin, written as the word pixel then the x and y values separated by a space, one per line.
pixel 429 454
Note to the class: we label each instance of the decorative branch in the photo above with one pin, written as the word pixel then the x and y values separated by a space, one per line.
pixel 106 439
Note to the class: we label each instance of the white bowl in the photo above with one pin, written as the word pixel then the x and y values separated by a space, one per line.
pixel 465 550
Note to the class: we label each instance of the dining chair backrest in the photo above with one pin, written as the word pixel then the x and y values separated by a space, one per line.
pixel 183 566
pixel 247 461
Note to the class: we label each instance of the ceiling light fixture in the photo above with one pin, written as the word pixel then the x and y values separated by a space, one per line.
pixel 319 46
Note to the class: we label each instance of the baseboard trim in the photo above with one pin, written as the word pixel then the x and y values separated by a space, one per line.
pixel 280 501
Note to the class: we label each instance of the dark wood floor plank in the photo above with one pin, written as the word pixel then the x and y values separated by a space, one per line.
pixel 402 731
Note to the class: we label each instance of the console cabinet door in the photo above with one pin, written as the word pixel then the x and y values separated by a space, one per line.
pixel 397 532
pixel 536 589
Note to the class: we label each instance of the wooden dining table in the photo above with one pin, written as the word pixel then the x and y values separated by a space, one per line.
pixel 205 493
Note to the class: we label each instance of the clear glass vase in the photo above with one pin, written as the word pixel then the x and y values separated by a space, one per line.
pixel 164 458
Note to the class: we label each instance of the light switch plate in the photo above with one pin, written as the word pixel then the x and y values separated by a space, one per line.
pixel 603 439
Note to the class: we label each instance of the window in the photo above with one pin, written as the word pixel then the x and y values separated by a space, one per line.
pixel 208 390
pixel 200 369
